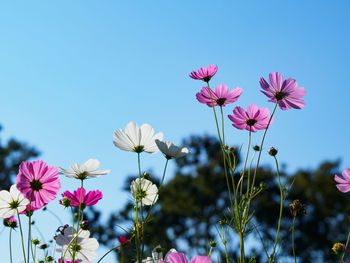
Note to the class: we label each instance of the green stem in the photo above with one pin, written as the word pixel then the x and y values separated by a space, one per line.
pixel 293 246
pixel 241 243
pixel 346 246
pixel 160 186
pixel 11 245
pixel 29 226
pixel 244 166
pixel 258 160
pixel 34 253
pixel 222 126
pixel 114 248
pixel 281 209
pixel 80 217
pixel 20 229
pixel 224 242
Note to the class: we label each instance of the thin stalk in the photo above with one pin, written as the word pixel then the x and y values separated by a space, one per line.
pixel 11 245
pixel 241 244
pixel 249 170
pixel 222 126
pixel 245 164
pixel 224 242
pixel 160 186
pixel 29 226
pixel 281 208
pixel 34 253
pixel 80 217
pixel 20 229
pixel 114 248
pixel 258 160
pixel 293 245
pixel 346 246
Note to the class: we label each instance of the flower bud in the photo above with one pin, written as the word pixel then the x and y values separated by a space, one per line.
pixel 10 222
pixel 66 202
pixel 297 208
pixel 49 259
pixel 84 225
pixel 147 176
pixel 232 149
pixel 212 244
pixel 43 246
pixel 338 248
pixel 256 148
pixel 222 222
pixel 35 242
pixel 273 151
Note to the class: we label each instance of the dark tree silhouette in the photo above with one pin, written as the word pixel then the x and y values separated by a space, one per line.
pixel 12 153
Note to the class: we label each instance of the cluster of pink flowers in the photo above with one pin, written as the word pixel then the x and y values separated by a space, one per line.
pixel 285 93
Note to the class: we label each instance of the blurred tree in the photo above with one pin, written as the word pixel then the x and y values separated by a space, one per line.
pixel 12 153
pixel 196 198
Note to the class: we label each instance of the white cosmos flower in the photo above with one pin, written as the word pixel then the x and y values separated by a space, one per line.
pixel 137 139
pixel 158 255
pixel 170 150
pixel 82 171
pixel 11 201
pixel 85 247
pixel 144 191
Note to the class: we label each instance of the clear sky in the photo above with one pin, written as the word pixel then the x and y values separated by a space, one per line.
pixel 72 72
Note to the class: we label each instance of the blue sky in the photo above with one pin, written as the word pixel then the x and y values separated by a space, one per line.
pixel 72 72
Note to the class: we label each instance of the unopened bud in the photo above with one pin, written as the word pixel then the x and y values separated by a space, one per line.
pixel 338 248
pixel 222 222
pixel 84 225
pixel 43 246
pixel 66 202
pixel 35 242
pixel 212 244
pixel 10 222
pixel 147 176
pixel 256 148
pixel 273 151
pixel 225 147
pixel 297 208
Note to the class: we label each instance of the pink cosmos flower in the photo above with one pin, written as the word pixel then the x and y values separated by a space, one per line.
pixel 66 261
pixel 38 182
pixel 343 183
pixel 123 240
pixel 204 74
pixel 177 257
pixel 285 92
pixel 252 119
pixel 89 199
pixel 221 95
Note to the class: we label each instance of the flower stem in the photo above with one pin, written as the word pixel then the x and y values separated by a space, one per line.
pixel 244 166
pixel 29 226
pixel 293 246
pixel 241 244
pixel 258 161
pixel 20 229
pixel 224 242
pixel 10 245
pixel 80 217
pixel 281 209
pixel 346 246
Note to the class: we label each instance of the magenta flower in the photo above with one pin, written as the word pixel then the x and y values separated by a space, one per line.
pixel 286 93
pixel 252 119
pixel 177 257
pixel 10 222
pixel 89 199
pixel 38 182
pixel 33 207
pixel 204 74
pixel 343 183
pixel 221 95
pixel 124 241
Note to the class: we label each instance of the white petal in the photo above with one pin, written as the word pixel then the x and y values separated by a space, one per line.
pixel 151 146
pixel 98 173
pixel 133 131
pixel 122 141
pixel 5 196
pixel 146 134
pixel 91 165
pixel 77 168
